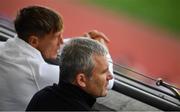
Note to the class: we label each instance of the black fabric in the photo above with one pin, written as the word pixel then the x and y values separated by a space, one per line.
pixel 64 96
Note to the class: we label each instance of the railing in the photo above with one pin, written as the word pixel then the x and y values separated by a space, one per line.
pixel 145 93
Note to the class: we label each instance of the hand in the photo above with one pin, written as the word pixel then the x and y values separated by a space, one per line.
pixel 99 36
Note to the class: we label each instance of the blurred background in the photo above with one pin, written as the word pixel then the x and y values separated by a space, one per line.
pixel 144 34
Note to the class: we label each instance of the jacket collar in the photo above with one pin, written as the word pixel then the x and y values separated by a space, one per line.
pixel 77 92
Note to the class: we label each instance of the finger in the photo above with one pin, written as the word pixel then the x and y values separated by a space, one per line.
pixel 95 35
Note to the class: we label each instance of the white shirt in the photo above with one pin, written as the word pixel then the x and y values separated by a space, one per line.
pixel 23 72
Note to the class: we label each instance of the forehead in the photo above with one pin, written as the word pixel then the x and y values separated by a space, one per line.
pixel 100 62
pixel 100 59
pixel 58 33
pixel 53 34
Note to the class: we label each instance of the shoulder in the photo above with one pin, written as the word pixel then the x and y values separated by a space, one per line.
pixel 42 96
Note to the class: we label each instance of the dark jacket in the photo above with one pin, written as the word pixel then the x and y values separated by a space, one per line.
pixel 64 96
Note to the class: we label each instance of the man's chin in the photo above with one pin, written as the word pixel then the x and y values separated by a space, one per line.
pixel 49 57
pixel 105 93
pixel 53 57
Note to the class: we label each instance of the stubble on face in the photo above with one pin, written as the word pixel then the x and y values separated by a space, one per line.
pixel 98 81
pixel 50 45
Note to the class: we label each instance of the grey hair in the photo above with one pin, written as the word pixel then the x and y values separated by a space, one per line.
pixel 77 57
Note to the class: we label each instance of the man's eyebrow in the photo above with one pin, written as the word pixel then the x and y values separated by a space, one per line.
pixel 105 70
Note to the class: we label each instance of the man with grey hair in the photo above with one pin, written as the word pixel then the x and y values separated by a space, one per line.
pixel 84 77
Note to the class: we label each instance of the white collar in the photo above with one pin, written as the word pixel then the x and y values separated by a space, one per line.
pixel 26 48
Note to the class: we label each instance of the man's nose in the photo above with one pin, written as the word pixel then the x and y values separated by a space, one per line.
pixel 60 41
pixel 110 76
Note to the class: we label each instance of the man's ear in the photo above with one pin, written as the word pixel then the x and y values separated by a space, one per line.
pixel 81 80
pixel 33 41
